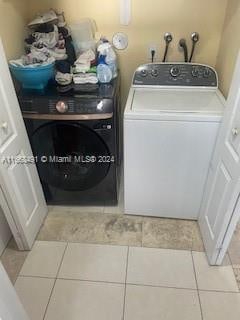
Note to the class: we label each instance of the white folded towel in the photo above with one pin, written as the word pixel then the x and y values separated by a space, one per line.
pixel 85 78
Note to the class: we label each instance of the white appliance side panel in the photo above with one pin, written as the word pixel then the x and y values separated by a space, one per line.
pixel 165 166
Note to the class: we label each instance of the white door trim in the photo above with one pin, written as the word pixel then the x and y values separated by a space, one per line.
pixel 230 230
pixel 220 210
pixel 24 203
pixel 11 222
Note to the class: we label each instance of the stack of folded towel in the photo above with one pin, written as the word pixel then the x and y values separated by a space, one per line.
pixel 84 70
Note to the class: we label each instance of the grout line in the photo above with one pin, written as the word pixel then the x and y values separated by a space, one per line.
pixel 19 272
pixel 235 276
pixel 130 284
pixel 229 257
pixel 60 265
pixel 216 291
pixel 178 288
pixel 195 274
pixel 50 296
pixel 7 246
pixel 91 281
pixel 159 286
pixel 91 243
pixel 55 280
pixel 125 285
pixel 34 276
pixel 142 232
pixel 121 245
pixel 127 264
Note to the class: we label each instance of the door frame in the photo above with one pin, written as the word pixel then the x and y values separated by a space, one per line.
pixel 231 215
pixel 23 200
pixel 234 219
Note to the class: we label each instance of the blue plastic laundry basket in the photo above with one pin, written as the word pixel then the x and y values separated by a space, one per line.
pixel 33 77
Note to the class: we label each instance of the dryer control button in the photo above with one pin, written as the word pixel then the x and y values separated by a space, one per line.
pixel 61 107
pixel 100 106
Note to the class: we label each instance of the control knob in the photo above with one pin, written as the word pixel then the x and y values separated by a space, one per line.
pixel 61 107
pixel 195 72
pixel 206 73
pixel 154 73
pixel 144 73
pixel 175 72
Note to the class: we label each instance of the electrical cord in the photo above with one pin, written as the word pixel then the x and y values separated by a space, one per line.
pixel 183 45
pixel 166 52
pixel 153 52
pixel 192 52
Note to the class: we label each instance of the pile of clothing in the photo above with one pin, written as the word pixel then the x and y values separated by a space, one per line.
pixel 49 41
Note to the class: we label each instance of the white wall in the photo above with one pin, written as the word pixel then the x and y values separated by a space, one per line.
pixel 5 233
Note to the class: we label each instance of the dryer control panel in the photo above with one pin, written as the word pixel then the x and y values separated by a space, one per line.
pixel 175 74
pixel 65 105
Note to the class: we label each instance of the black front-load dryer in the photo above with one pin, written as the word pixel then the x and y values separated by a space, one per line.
pixel 75 141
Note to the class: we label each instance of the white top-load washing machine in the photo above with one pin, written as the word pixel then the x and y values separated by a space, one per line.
pixel 171 122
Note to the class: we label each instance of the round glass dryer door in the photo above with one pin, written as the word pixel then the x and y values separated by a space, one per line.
pixel 68 156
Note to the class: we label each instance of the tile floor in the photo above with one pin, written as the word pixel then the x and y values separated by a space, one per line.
pixel 96 263
pixel 92 225
pixel 234 253
pixel 63 280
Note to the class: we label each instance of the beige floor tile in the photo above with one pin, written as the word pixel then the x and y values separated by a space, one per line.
pixel 123 230
pixel 152 303
pixel 118 209
pixel 44 259
pixel 168 233
pixel 161 267
pixel 214 278
pixel 94 262
pixel 55 225
pixel 73 227
pixel 78 209
pixel 237 275
pixel 114 209
pixel 234 248
pixel 74 300
pixel 220 305
pixel 197 243
pixel 34 293
pixel 13 260
pixel 92 228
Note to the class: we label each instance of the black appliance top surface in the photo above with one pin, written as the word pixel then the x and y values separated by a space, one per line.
pixel 103 90
pixel 81 99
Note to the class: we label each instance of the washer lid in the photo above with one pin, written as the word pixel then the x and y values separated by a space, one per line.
pixel 176 101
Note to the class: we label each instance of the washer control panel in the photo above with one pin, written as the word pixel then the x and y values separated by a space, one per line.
pixel 178 74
